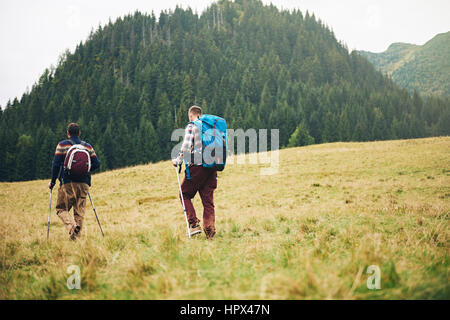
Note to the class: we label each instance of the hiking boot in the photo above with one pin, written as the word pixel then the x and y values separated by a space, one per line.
pixel 210 232
pixel 194 229
pixel 74 232
pixel 67 220
pixel 77 231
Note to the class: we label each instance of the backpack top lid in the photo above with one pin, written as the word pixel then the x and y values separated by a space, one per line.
pixel 210 121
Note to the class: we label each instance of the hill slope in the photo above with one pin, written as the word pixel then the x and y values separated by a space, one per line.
pixel 393 58
pixel 131 83
pixel 309 231
pixel 424 68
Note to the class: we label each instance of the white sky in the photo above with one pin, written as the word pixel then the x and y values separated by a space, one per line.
pixel 34 33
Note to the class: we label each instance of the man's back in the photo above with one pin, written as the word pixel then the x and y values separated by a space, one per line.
pixel 74 187
pixel 62 148
pixel 198 178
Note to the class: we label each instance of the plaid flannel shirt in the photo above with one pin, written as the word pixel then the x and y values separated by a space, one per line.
pixel 192 144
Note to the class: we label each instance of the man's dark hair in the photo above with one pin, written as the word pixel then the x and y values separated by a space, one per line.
pixel 196 110
pixel 73 129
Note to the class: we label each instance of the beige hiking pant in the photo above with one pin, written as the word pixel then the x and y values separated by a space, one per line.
pixel 72 194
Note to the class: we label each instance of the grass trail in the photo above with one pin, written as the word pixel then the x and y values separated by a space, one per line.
pixel 308 232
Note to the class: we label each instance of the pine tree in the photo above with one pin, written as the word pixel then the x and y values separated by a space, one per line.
pixel 45 143
pixel 300 137
pixel 361 131
pixel 344 126
pixel 164 129
pixel 148 144
pixel 187 100
pixel 330 130
pixel 379 125
pixel 25 158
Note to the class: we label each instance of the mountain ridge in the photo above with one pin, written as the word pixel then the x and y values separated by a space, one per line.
pixel 424 68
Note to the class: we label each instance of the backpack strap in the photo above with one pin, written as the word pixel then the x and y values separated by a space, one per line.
pixel 188 175
pixel 67 152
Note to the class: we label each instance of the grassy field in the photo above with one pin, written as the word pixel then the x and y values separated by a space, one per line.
pixel 308 232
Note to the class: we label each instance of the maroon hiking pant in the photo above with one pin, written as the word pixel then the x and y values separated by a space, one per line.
pixel 203 180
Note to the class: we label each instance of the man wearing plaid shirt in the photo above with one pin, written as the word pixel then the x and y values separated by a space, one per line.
pixel 202 180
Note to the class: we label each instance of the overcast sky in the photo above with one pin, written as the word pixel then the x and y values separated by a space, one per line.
pixel 34 33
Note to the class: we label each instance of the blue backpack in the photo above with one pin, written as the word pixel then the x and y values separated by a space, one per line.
pixel 214 141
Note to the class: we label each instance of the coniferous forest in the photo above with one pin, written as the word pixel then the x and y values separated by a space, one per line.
pixel 132 81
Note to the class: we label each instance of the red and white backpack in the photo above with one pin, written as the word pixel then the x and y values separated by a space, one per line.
pixel 77 161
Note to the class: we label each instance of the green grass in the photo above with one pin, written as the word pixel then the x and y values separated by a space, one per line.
pixel 308 232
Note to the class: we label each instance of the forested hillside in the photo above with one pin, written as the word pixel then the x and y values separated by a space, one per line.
pixel 131 83
pixel 391 59
pixel 424 68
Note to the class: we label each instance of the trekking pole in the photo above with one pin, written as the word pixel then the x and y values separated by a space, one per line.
pixel 182 201
pixel 95 212
pixel 49 211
